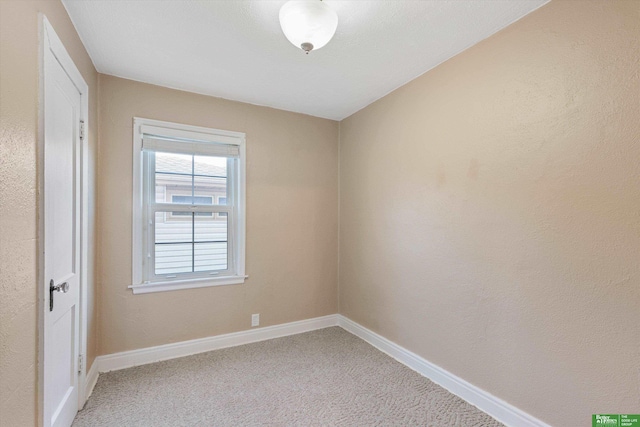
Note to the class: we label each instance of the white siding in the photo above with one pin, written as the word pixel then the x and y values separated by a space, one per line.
pixel 174 258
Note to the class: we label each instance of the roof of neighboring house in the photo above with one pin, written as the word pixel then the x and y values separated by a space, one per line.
pixel 182 163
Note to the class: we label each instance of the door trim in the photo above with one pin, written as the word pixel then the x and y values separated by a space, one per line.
pixel 50 44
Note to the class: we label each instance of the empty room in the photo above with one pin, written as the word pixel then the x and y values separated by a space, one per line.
pixel 320 213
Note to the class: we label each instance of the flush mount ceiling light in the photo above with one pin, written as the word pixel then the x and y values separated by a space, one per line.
pixel 308 24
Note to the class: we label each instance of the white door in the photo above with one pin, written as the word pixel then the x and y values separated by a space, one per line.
pixel 62 114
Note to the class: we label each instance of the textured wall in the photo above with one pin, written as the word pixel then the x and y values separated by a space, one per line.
pixel 292 220
pixel 19 88
pixel 490 213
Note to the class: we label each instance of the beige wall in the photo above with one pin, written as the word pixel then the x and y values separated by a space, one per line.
pixel 292 220
pixel 490 213
pixel 19 88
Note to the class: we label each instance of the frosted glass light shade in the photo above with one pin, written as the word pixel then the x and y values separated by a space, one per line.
pixel 308 24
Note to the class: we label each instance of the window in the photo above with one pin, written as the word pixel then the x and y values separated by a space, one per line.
pixel 222 201
pixel 188 219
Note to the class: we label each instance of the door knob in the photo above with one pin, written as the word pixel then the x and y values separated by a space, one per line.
pixel 62 287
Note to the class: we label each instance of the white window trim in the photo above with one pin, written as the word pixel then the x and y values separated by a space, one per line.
pixel 202 133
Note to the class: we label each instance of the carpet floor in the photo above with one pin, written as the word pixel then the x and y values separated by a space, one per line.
pixel 327 377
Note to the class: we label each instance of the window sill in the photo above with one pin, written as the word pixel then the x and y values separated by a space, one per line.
pixel 145 288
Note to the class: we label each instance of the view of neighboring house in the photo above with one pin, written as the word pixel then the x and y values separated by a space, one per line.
pixel 190 241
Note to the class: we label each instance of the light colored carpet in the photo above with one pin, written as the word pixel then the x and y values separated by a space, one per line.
pixel 327 377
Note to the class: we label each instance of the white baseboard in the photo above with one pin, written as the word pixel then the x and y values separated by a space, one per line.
pixel 486 402
pixel 91 380
pixel 127 359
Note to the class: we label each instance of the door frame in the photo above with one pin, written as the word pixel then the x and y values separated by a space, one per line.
pixel 50 44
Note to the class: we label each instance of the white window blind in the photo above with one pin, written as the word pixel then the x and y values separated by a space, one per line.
pixel 170 144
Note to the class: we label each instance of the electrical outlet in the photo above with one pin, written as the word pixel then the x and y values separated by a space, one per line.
pixel 255 319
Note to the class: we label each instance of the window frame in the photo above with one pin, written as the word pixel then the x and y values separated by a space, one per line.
pixel 142 233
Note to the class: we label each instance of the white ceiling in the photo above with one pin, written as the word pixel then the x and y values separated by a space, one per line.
pixel 235 49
